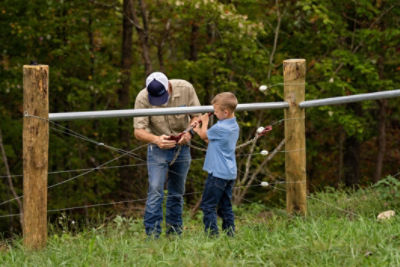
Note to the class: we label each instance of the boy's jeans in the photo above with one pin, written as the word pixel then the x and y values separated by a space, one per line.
pixel 158 161
pixel 218 194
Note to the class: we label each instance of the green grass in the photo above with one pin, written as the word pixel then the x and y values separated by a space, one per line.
pixel 340 231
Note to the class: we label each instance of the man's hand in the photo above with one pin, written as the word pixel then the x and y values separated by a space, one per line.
pixel 185 138
pixel 163 142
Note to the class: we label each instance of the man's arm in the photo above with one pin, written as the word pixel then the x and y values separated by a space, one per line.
pixel 161 141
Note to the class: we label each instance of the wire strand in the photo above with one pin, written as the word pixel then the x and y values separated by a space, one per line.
pixel 72 178
pixel 107 204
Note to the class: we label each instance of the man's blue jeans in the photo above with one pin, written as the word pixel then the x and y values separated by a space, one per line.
pixel 158 168
pixel 216 199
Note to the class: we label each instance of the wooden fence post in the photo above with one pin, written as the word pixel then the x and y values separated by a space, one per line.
pixel 294 71
pixel 35 155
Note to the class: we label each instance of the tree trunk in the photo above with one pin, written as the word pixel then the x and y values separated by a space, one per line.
pixel 381 140
pixel 123 92
pixel 351 156
pixel 277 29
pixel 342 138
pixel 160 57
pixel 351 161
pixel 193 42
pixel 91 44
pixel 143 34
pixel 161 44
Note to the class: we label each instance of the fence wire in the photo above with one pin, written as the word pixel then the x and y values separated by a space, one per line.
pixel 64 130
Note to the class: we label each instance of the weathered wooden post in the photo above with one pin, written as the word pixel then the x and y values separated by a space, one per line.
pixel 294 71
pixel 35 154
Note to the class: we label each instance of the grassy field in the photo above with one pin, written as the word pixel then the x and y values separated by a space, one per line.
pixel 340 230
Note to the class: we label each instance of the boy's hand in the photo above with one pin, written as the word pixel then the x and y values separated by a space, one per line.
pixel 205 118
pixel 201 130
pixel 194 124
pixel 197 128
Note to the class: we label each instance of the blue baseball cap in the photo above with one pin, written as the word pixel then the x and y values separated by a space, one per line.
pixel 157 88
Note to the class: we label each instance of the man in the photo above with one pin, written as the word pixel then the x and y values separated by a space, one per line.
pixel 161 151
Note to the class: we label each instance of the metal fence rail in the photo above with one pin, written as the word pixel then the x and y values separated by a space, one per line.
pixel 350 99
pixel 157 111
pixel 202 109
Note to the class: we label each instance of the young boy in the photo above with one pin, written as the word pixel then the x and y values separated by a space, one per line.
pixel 220 163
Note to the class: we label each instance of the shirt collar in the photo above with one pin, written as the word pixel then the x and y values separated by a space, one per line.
pixel 227 121
pixel 175 92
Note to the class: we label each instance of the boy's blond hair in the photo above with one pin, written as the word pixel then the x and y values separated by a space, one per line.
pixel 225 100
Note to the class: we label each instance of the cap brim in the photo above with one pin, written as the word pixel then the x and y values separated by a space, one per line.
pixel 159 100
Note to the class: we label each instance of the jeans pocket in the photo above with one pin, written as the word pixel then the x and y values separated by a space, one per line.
pixel 155 155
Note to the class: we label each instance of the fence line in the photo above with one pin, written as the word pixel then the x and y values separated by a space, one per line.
pixel 313 103
pixel 101 166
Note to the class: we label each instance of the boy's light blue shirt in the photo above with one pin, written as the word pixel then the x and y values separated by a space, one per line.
pixel 220 157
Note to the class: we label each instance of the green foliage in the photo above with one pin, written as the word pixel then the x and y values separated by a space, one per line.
pixel 389 189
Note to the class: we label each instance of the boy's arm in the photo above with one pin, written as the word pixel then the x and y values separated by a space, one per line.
pixel 202 130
